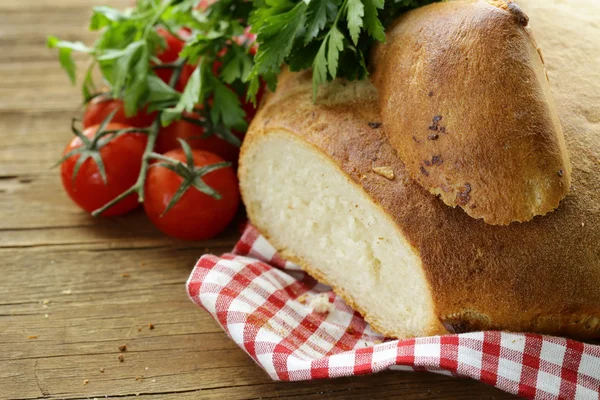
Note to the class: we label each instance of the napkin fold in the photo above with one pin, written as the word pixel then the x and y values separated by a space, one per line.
pixel 298 329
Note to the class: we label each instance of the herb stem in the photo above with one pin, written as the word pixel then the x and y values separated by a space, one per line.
pixel 154 130
pixel 165 66
pixel 161 157
pixel 156 17
pixel 177 70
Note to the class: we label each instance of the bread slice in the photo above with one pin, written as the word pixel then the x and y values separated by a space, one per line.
pixel 321 218
pixel 323 184
pixel 466 102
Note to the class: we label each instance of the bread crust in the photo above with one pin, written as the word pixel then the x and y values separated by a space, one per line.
pixel 465 100
pixel 540 276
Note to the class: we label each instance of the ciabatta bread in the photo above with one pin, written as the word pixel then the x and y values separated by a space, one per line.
pixel 465 100
pixel 324 185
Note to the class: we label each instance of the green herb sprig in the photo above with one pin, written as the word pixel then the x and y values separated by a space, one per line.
pixel 331 37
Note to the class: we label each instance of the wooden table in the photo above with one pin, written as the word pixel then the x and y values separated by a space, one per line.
pixel 73 288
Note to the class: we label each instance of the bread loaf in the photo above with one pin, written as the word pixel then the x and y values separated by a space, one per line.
pixel 322 182
pixel 465 100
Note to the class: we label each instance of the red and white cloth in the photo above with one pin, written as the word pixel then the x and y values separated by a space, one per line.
pixel 263 303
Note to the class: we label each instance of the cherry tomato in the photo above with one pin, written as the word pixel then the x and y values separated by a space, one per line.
pixel 196 216
pixel 122 159
pixel 191 133
pixel 170 54
pixel 101 106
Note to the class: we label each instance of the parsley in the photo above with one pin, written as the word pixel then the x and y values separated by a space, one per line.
pixel 333 37
pixel 319 34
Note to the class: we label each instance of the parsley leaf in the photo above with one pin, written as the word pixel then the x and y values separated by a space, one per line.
pixel 160 95
pixel 372 23
pixel 103 16
pixel 335 45
pixel 316 18
pixel 355 12
pixel 275 40
pixel 320 68
pixel 65 50
pixel 129 68
pixel 189 98
pixel 237 64
pixel 226 108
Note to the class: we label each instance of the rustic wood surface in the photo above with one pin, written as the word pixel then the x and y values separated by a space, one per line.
pixel 72 288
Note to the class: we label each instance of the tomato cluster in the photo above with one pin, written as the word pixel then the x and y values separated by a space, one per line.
pixel 196 215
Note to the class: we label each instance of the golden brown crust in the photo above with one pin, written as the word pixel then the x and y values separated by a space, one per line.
pixel 465 100
pixel 541 276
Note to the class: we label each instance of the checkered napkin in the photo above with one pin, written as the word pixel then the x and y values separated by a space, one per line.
pixel 265 304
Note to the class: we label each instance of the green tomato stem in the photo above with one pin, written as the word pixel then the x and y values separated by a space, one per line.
pixel 153 131
pixel 138 187
pixel 145 160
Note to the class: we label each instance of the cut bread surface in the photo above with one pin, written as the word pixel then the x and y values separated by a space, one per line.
pixel 307 206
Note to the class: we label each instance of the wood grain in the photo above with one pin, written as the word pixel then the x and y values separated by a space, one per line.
pixel 74 289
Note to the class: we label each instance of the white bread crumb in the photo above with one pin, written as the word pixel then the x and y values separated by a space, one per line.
pixel 320 304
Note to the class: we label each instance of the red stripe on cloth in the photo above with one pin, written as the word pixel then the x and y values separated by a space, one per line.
pixel 244 245
pixel 196 280
pixel 319 368
pixel 406 352
pixel 353 333
pixel 363 361
pixel 281 354
pixel 294 340
pixel 262 317
pixel 239 282
pixel 277 261
pixel 449 353
pixel 489 360
pixel 531 365
pixel 300 335
pixel 570 367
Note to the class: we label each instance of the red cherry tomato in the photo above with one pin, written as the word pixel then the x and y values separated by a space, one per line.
pixel 170 54
pixel 174 46
pixel 168 140
pixel 196 216
pixel 122 159
pixel 101 106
